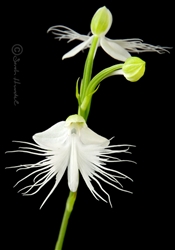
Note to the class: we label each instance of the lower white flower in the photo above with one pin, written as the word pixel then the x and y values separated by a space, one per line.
pixel 71 144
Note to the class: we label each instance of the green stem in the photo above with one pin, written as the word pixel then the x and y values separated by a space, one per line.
pixel 72 196
pixel 87 71
pixel 101 76
pixel 88 66
pixel 96 80
pixel 69 207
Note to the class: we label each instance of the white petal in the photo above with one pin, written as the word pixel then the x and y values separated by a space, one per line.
pixel 52 138
pixel 90 137
pixel 73 174
pixel 114 50
pixel 91 162
pixel 136 45
pixel 58 178
pixel 63 32
pixel 78 48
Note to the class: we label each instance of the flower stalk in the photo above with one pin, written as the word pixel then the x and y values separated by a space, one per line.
pixel 93 86
pixel 87 72
pixel 68 209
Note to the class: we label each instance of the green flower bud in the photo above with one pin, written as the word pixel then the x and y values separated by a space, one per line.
pixel 101 21
pixel 133 68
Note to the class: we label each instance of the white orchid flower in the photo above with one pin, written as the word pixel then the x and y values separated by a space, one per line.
pixel 100 24
pixel 73 146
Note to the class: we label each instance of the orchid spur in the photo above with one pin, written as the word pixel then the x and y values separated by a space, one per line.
pixel 73 146
pixel 101 22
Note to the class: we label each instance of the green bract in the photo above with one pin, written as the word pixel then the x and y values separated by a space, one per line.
pixel 133 69
pixel 101 21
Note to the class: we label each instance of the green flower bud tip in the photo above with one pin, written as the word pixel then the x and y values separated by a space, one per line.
pixel 133 68
pixel 75 119
pixel 101 21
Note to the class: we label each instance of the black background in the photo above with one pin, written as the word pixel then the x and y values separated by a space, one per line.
pixel 135 113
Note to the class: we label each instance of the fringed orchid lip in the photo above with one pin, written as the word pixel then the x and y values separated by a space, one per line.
pixel 73 146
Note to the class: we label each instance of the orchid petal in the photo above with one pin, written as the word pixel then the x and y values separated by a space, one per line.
pixel 114 50
pixel 52 138
pixel 73 175
pixel 90 137
pixel 136 45
pixel 63 32
pixel 59 175
pixel 78 48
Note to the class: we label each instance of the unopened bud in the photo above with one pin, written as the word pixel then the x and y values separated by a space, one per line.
pixel 101 21
pixel 133 69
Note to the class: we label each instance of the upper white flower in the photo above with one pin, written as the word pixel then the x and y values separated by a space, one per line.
pixel 73 146
pixel 100 24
